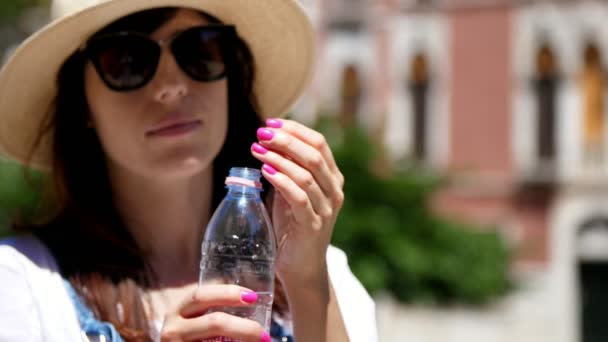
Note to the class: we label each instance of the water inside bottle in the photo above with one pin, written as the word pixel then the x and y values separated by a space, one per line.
pixel 244 263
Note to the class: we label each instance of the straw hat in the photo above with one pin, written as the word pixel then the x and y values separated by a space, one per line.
pixel 278 33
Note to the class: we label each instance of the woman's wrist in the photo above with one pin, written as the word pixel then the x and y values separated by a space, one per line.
pixel 308 292
pixel 309 299
pixel 315 281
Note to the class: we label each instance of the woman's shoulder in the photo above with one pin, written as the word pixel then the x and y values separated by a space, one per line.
pixel 356 305
pixel 35 304
pixel 26 252
pixel 342 277
pixel 337 266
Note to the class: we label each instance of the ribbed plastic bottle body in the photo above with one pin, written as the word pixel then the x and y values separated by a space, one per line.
pixel 239 246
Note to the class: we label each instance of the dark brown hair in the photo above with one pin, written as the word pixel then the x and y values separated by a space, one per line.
pixel 86 234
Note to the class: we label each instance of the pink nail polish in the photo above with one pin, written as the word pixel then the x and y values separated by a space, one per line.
pixel 265 134
pixel 265 337
pixel 274 123
pixel 249 297
pixel 271 170
pixel 259 148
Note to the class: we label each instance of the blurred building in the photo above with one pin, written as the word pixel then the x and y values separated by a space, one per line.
pixel 506 97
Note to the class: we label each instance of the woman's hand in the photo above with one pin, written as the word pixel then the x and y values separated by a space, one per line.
pixel 191 322
pixel 300 166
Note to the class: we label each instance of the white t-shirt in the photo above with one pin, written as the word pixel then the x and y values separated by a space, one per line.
pixel 35 306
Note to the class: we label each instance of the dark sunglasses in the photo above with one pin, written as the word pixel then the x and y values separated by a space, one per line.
pixel 128 60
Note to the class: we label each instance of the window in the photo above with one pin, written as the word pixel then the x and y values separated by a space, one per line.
pixel 351 94
pixel 545 88
pixel 592 100
pixel 418 88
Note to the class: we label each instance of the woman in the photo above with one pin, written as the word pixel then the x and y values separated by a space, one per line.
pixel 137 108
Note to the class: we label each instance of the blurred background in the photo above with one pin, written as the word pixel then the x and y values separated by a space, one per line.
pixel 473 140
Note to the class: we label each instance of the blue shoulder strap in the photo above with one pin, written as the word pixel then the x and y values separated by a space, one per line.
pixel 89 325
pixel 278 334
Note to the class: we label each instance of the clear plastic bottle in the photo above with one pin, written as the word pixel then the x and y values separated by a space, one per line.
pixel 239 245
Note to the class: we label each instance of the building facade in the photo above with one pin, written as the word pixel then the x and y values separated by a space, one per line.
pixel 505 97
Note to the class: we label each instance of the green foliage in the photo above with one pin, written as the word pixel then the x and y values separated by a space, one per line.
pixel 10 9
pixel 396 243
pixel 19 194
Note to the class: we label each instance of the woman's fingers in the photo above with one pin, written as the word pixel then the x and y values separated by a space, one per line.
pixel 314 139
pixel 212 325
pixel 305 155
pixel 309 136
pixel 193 321
pixel 207 296
pixel 298 200
pixel 302 177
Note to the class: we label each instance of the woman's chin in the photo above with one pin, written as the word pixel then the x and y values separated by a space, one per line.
pixel 175 168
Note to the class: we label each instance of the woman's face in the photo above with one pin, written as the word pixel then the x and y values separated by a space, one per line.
pixel 174 126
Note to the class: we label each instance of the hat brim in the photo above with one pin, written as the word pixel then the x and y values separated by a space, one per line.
pixel 278 33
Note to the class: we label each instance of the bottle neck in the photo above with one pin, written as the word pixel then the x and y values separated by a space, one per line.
pixel 237 190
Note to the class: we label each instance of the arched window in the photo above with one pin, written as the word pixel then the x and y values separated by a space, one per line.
pixel 350 94
pixel 545 87
pixel 592 100
pixel 418 87
pixel 592 248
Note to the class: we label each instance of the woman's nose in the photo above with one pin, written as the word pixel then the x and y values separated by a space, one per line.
pixel 171 84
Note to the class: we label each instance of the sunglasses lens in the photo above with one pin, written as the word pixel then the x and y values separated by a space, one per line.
pixel 199 53
pixel 124 62
pixel 127 61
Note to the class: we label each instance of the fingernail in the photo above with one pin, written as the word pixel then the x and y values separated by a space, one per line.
pixel 249 297
pixel 265 337
pixel 265 134
pixel 259 148
pixel 271 170
pixel 274 123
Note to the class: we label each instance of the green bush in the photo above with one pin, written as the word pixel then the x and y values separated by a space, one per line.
pixel 10 9
pixel 396 243
pixel 19 194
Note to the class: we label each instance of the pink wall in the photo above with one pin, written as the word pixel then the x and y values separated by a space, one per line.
pixel 480 109
pixel 480 134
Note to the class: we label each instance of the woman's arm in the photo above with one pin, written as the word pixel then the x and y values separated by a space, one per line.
pixel 34 304
pixel 19 312
pixel 299 164
pixel 315 311
pixel 351 313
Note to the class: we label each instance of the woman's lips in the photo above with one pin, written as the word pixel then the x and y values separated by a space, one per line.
pixel 174 129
